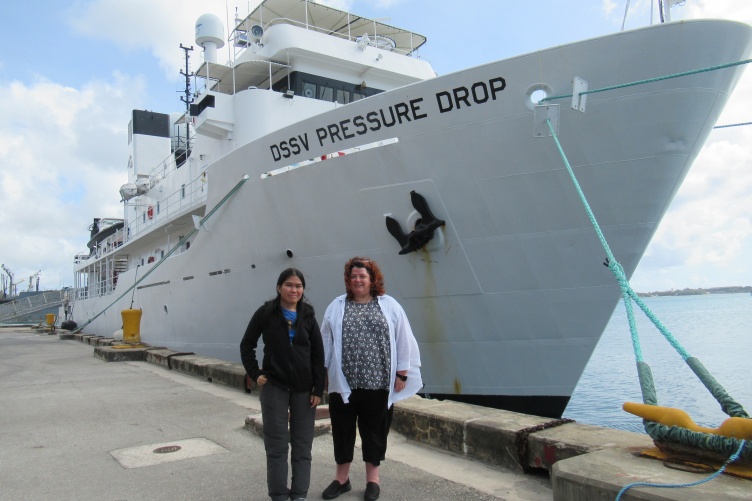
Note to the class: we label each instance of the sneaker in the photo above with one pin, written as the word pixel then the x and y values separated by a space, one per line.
pixel 335 489
pixel 372 491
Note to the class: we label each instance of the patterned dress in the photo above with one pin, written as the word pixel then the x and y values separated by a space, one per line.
pixel 366 360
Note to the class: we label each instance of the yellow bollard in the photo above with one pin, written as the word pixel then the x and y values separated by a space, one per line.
pixel 733 427
pixel 131 326
pixel 51 317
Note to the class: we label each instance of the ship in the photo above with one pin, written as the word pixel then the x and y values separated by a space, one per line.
pixel 325 136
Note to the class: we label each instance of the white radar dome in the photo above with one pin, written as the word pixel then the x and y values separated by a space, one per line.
pixel 209 28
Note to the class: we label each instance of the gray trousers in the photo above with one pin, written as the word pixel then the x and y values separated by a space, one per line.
pixel 275 404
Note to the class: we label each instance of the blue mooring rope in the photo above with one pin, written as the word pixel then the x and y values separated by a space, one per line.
pixel 732 125
pixel 629 296
pixel 618 271
pixel 650 80
pixel 730 460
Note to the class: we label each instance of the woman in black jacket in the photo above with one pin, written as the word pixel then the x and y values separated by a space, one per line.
pixel 293 367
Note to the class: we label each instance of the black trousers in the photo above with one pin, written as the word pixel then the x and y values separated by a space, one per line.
pixel 367 409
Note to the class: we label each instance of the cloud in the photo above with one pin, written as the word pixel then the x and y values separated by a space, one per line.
pixel 345 5
pixel 59 160
pixel 711 217
pixel 720 9
pixel 609 7
pixel 153 26
pixel 705 238
pixel 637 15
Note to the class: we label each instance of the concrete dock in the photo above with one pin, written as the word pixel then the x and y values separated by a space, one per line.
pixel 165 425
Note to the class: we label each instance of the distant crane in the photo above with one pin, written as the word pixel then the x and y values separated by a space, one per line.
pixel 31 281
pixel 7 283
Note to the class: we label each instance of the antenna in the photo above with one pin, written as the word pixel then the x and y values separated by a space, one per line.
pixel 187 99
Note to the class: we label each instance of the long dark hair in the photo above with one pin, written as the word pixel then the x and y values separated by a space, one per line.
pixel 276 304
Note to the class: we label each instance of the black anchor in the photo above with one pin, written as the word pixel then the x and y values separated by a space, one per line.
pixel 424 228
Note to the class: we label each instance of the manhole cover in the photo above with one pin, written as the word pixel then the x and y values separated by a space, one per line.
pixel 167 449
pixel 166 452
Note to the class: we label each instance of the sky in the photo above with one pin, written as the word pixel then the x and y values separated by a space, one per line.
pixel 73 70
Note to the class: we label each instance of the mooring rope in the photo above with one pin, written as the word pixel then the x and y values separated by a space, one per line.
pixel 651 80
pixel 164 258
pixel 616 268
pixel 730 460
pixel 732 125
pixel 728 404
pixel 647 386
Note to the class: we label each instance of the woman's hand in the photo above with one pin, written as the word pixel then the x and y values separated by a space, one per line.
pixel 315 401
pixel 261 380
pixel 399 385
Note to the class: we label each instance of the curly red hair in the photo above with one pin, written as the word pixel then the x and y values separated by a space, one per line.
pixel 377 278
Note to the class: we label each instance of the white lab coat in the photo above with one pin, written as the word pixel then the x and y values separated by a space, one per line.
pixel 402 345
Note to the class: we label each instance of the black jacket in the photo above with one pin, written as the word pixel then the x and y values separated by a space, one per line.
pixel 296 366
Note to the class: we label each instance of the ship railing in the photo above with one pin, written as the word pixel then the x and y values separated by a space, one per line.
pixel 80 293
pixel 83 292
pixel 103 248
pixel 100 277
pixel 376 39
pixel 31 304
pixel 80 258
pixel 229 78
pixel 169 164
pixel 104 286
pixel 381 41
pixel 180 144
pixel 188 196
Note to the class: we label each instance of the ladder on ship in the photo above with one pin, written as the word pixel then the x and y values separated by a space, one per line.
pixel 31 304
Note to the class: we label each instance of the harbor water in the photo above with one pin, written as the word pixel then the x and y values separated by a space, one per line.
pixel 715 328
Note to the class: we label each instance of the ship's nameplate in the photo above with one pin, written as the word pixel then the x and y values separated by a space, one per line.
pixel 441 268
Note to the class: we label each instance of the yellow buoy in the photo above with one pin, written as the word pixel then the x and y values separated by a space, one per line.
pixel 50 319
pixel 131 326
pixel 733 427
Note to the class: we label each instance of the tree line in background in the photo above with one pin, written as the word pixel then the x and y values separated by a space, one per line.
pixel 737 289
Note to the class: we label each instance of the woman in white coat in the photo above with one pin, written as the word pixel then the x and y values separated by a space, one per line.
pixel 373 361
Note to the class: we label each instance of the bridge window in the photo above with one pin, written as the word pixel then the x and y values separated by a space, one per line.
pixel 324 89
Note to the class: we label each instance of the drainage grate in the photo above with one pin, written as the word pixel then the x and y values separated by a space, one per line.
pixel 167 449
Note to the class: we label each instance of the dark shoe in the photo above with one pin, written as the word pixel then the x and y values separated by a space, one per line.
pixel 335 489
pixel 372 491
